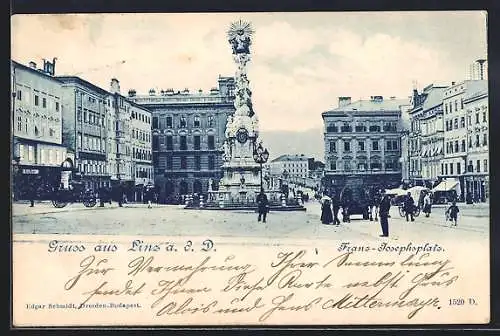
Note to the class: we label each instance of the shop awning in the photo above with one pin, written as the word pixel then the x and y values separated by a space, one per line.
pixel 448 184
pixel 424 150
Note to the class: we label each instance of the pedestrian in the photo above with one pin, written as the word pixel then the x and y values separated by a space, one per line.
pixel 335 209
pixel 409 207
pixel 383 208
pixel 452 213
pixel 326 211
pixel 262 206
pixel 32 194
pixel 102 196
pixel 427 204
pixel 149 196
pixel 119 194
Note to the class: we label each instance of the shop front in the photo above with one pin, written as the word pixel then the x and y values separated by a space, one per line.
pixel 477 188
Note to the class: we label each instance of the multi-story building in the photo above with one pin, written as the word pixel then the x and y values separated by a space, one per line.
pixel 404 160
pixel 84 111
pixel 478 70
pixel 426 136
pixel 477 174
pixel 453 165
pixel 362 143
pixel 141 140
pixel 38 152
pixel 188 130
pixel 292 168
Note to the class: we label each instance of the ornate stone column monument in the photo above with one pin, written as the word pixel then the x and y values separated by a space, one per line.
pixel 240 182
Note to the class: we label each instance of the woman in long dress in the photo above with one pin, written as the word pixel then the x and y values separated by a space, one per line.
pixel 326 211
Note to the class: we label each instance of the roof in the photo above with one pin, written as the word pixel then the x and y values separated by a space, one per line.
pixel 288 157
pixel 36 71
pixel 476 88
pixel 369 105
pixel 434 98
pixel 76 79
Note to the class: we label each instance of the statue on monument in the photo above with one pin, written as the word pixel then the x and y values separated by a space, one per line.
pixel 226 151
pixel 239 37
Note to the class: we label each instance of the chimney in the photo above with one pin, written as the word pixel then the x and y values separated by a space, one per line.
pixel 32 65
pixel 452 83
pixel 115 86
pixel 132 93
pixel 344 101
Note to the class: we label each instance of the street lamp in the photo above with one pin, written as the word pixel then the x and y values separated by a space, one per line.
pixel 260 156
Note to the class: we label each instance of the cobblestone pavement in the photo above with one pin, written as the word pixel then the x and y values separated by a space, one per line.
pixel 167 220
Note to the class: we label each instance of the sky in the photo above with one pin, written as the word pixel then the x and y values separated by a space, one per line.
pixel 301 62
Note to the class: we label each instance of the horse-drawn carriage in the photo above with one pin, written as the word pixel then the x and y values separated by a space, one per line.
pixel 75 193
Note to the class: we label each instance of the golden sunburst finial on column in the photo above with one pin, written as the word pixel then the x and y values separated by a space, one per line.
pixel 239 36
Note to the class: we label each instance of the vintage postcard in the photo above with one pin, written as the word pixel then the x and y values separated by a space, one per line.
pixel 321 168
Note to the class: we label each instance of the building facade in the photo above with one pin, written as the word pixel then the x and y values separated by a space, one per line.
pixel 188 130
pixel 292 168
pixel 84 114
pixel 426 136
pixel 38 152
pixel 362 143
pixel 478 70
pixel 477 173
pixel 456 136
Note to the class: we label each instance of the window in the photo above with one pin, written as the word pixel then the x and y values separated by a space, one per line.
pixel 44 102
pixel 477 140
pixel 374 128
pixel 456 105
pixel 197 142
pixel 347 146
pixel 79 141
pixel 183 122
pixel 211 162
pixel 462 122
pixel 389 165
pixel 459 168
pixel 57 106
pixel 456 146
pixel 211 142
pixel 455 123
pixel 196 122
pixel 31 152
pixel 446 109
pixel 469 120
pixel 485 139
pixel 210 121
pixel 19 95
pixel 478 166
pixel 470 142
pixel 451 168
pixel 332 128
pixel 155 122
pixel 391 144
pixel 477 118
pixel 360 128
pixel 361 145
pixel 183 142
pixel 446 169
pixel 375 145
pixel 197 163
pixel 37 132
pixel 19 124
pixel 333 165
pixel 346 128
pixel 51 132
pixel 485 165
pixel 442 168
pixel 462 147
pixel 390 127
pixel 333 146
pixel 347 165
pixel 485 117
pixel 375 165
pixel 169 121
pixel 461 103
pixel 36 100
pixel 170 142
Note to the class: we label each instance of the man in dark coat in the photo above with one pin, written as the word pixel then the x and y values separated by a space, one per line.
pixel 409 207
pixel 119 194
pixel 335 209
pixel 102 196
pixel 384 207
pixel 262 204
